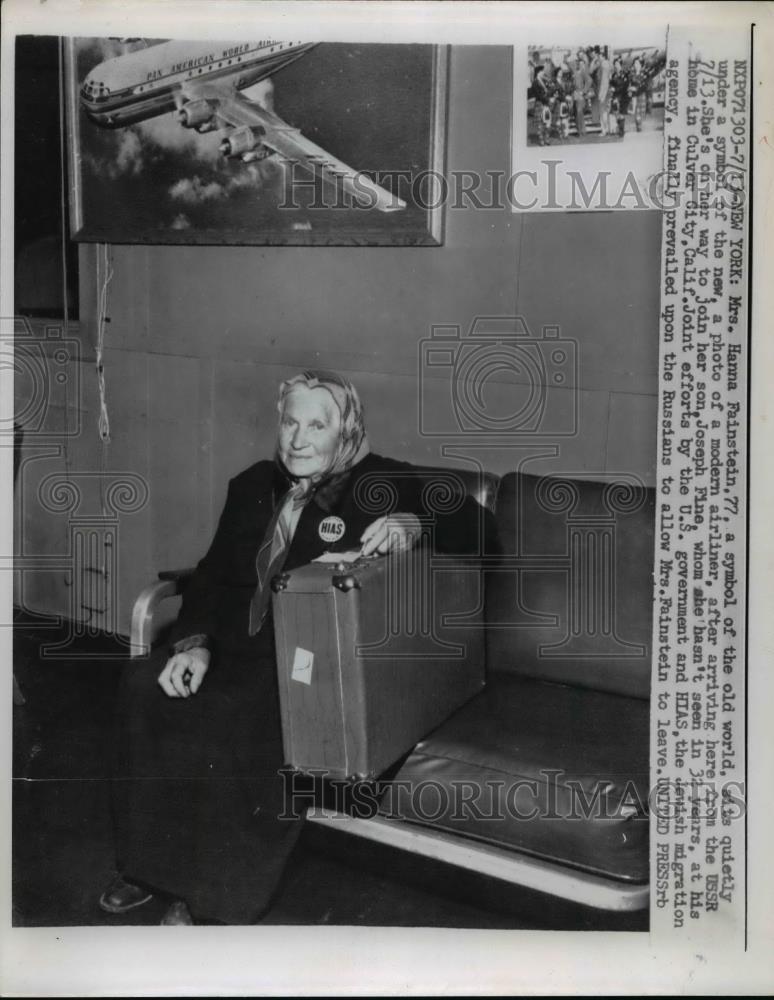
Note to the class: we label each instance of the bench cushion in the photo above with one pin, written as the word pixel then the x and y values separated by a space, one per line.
pixel 575 760
pixel 571 597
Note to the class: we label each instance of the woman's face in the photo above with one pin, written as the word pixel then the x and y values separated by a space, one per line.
pixel 308 432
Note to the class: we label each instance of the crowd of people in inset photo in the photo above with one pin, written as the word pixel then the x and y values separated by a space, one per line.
pixel 589 93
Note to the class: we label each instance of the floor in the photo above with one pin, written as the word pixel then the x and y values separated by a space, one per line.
pixel 62 839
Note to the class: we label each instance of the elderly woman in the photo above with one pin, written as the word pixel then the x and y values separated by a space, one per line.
pixel 198 786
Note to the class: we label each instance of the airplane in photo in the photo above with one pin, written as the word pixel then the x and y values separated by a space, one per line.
pixel 203 80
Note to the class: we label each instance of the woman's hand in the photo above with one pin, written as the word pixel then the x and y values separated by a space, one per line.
pixel 392 533
pixel 184 672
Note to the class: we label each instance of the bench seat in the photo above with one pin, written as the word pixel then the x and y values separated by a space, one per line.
pixel 576 758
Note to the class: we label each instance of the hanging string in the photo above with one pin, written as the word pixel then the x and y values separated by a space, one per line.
pixel 64 240
pixel 103 281
pixel 104 277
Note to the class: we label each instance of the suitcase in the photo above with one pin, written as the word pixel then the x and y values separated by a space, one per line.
pixel 372 655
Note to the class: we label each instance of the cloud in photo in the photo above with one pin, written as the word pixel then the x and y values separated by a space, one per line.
pixel 100 49
pixel 169 135
pixel 243 178
pixel 125 157
pixel 129 155
pixel 194 191
pixel 255 175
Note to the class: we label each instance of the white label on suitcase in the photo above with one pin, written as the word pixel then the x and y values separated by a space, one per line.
pixel 302 666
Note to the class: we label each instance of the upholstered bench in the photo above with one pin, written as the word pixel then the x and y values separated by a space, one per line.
pixel 541 780
pixel 555 771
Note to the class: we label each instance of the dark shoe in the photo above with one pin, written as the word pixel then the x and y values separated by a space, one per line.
pixel 121 896
pixel 178 914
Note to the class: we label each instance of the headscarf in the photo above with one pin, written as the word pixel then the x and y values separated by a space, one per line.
pixel 353 441
pixel 293 494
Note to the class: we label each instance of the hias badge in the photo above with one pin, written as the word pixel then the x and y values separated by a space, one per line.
pixel 331 529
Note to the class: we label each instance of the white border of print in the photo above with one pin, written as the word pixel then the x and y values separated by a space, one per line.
pixel 541 174
pixel 368 961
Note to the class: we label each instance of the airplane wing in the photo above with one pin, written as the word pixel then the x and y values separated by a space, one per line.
pixel 271 131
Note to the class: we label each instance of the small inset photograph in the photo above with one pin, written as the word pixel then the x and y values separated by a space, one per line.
pixel 593 94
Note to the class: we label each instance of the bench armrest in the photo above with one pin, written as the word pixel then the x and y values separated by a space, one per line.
pixel 171 583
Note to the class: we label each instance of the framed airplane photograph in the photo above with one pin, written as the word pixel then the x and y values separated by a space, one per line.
pixel 264 142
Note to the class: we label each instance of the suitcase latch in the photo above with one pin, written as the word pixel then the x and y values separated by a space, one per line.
pixel 345 582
